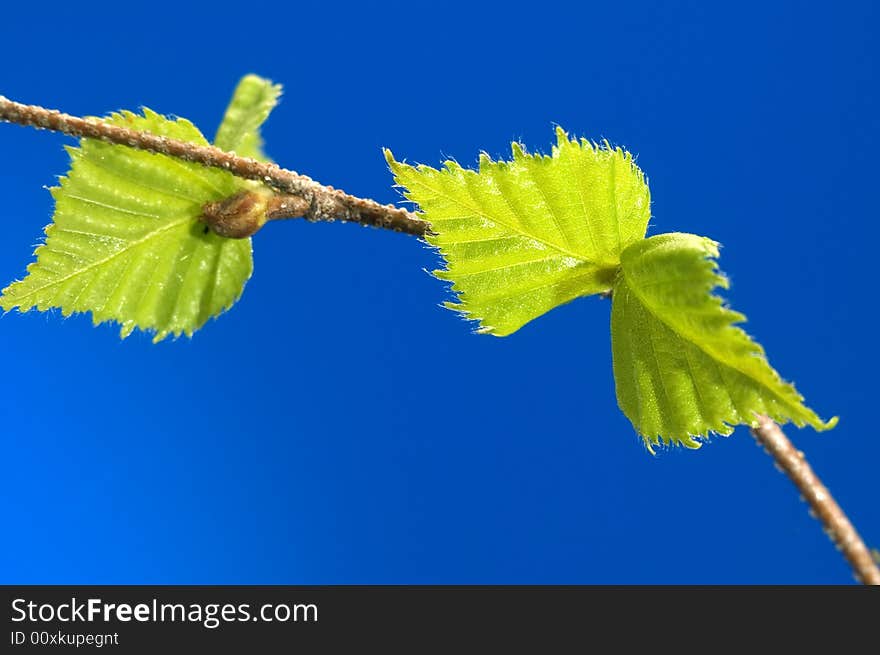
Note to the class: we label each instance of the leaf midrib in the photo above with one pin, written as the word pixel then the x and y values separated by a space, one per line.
pixel 480 212
pixel 98 263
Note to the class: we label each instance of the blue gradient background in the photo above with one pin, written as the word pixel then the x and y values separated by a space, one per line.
pixel 337 426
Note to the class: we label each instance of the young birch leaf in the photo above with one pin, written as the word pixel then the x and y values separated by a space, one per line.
pixel 126 243
pixel 521 237
pixel 239 132
pixel 681 366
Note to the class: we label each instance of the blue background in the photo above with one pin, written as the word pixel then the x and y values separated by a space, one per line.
pixel 337 426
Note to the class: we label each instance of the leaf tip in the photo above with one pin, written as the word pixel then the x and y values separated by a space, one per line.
pixel 830 424
pixel 253 78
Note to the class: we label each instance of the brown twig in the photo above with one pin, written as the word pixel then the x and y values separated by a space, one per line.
pixel 822 504
pixel 299 195
pixel 324 203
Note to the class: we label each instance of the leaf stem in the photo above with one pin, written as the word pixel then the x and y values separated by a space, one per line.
pixel 837 526
pixel 324 202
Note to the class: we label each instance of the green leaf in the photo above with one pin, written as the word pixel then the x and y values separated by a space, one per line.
pixel 126 243
pixel 681 366
pixel 522 237
pixel 251 103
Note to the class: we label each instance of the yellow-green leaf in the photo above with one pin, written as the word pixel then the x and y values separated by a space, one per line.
pixel 521 237
pixel 126 244
pixel 682 368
